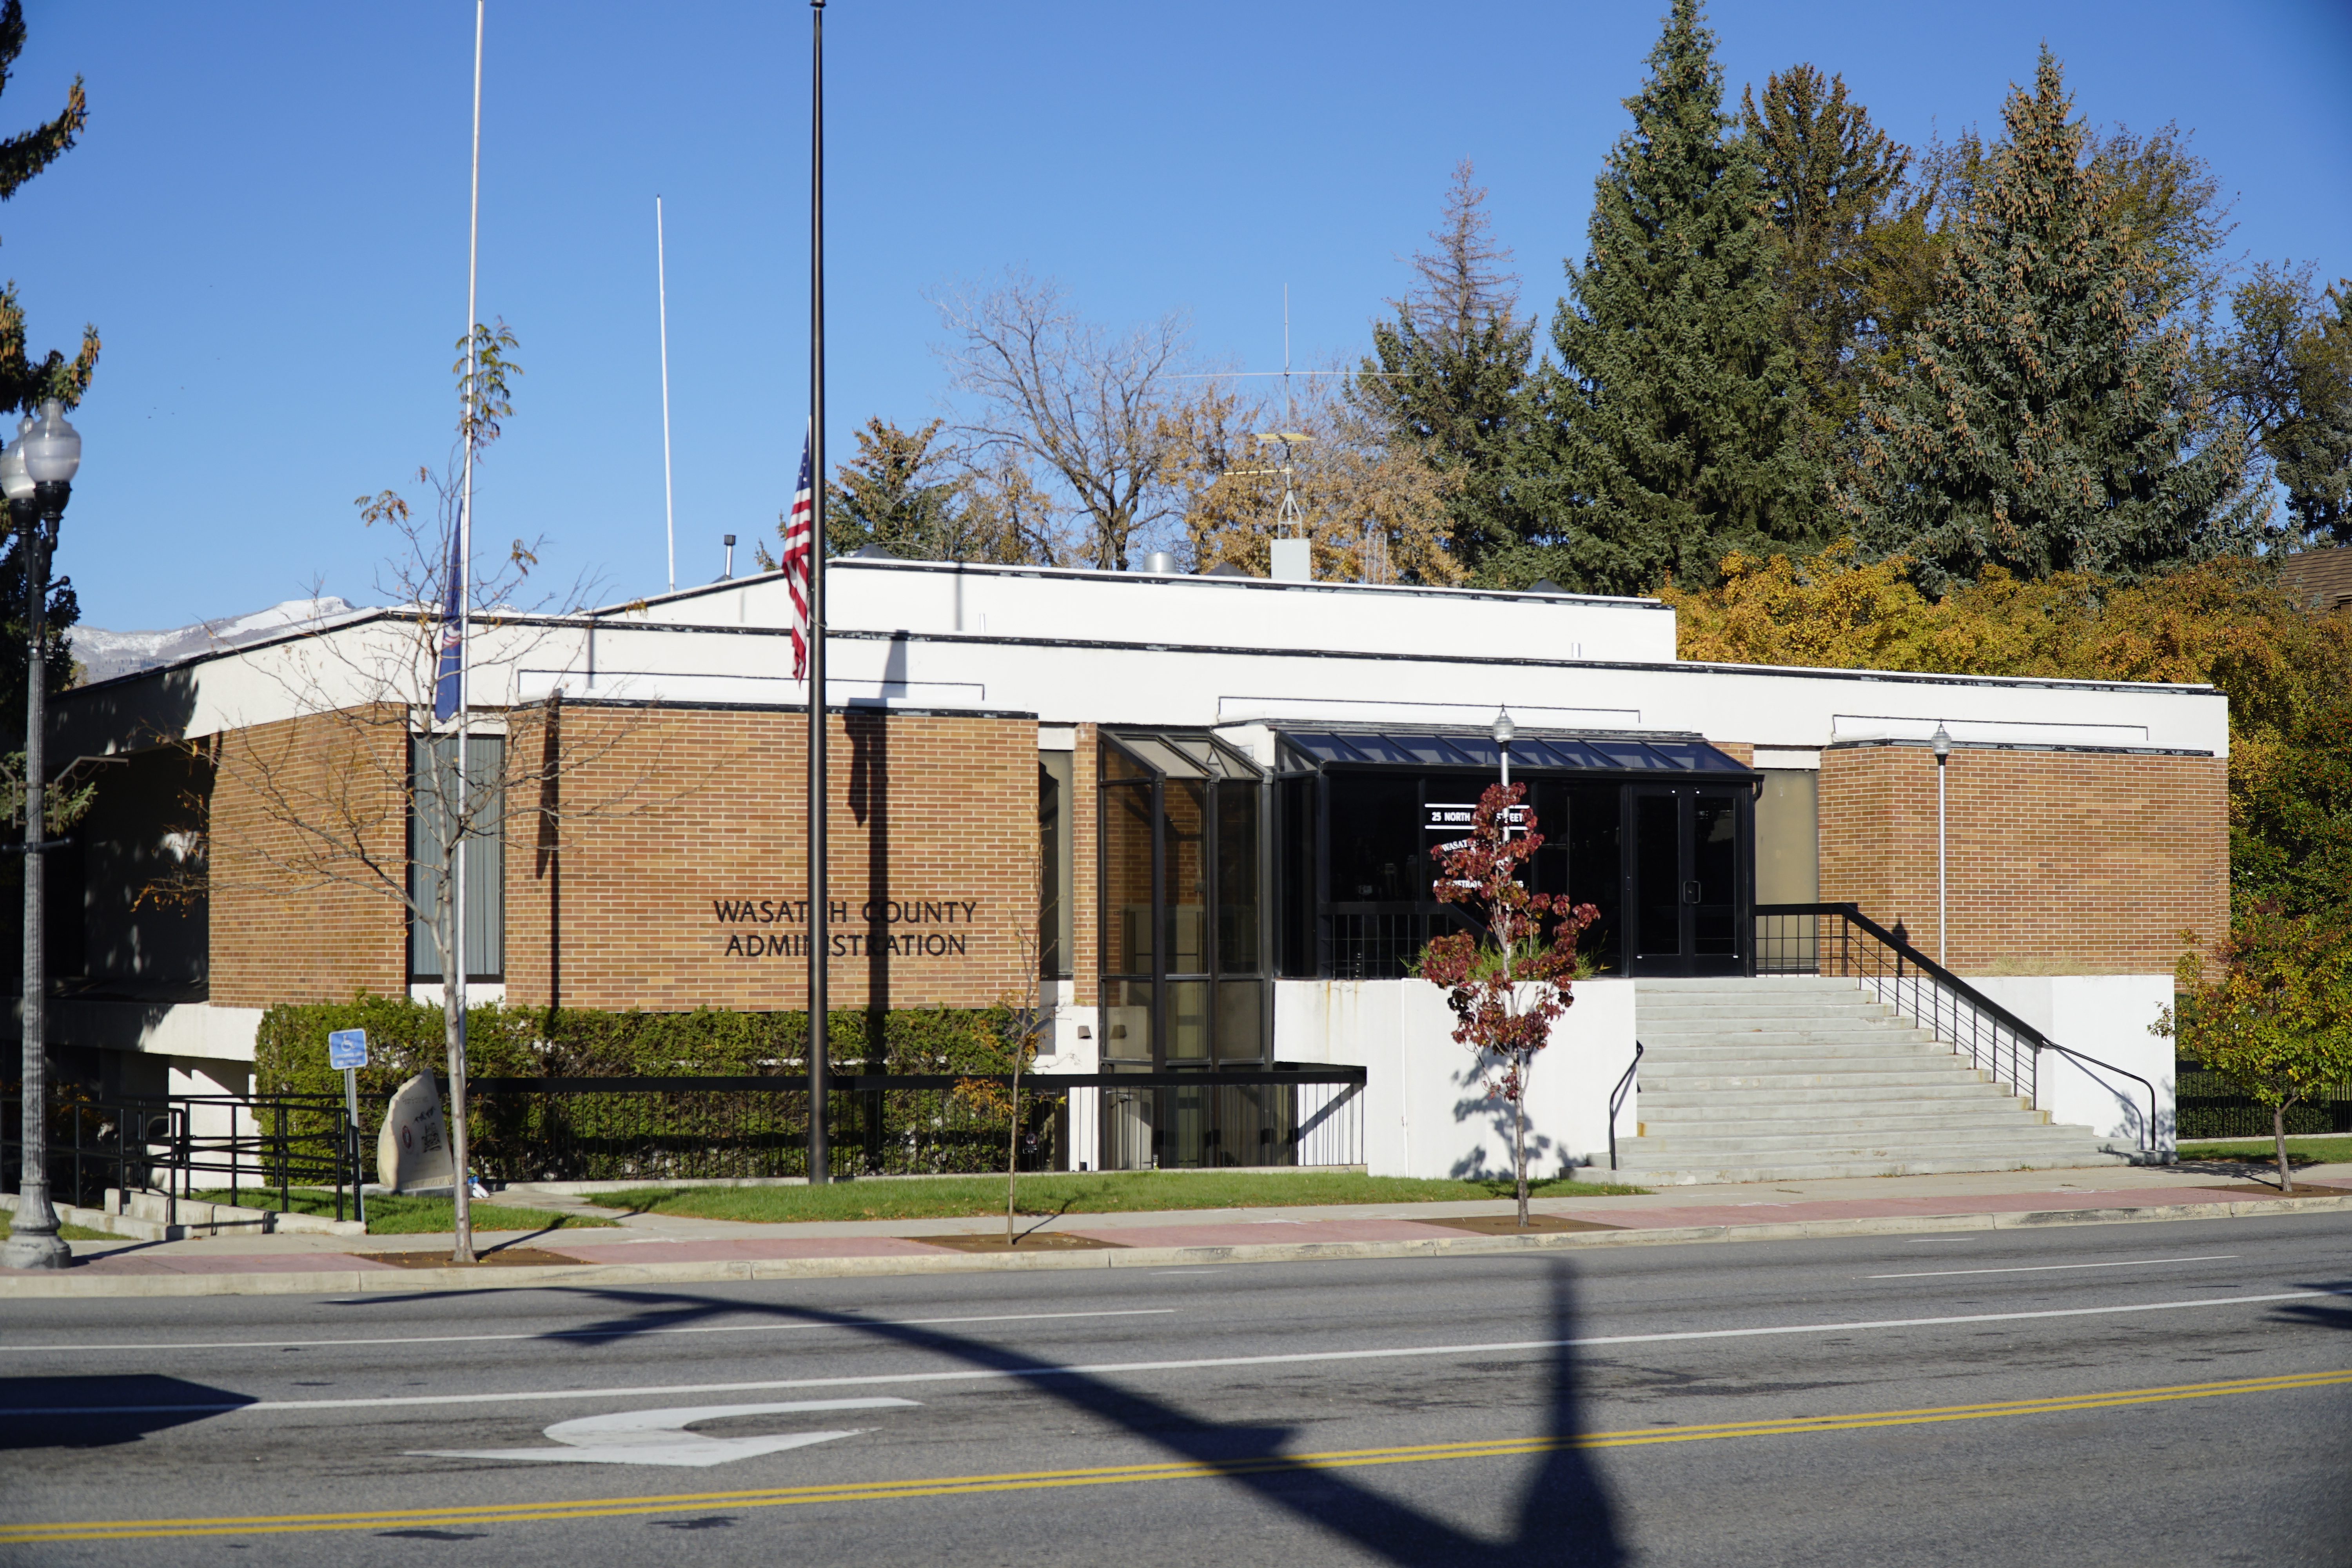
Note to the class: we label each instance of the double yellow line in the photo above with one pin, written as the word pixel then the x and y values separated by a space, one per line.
pixel 1120 1475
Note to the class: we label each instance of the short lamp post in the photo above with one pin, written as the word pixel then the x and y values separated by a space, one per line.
pixel 1940 742
pixel 1503 729
pixel 37 478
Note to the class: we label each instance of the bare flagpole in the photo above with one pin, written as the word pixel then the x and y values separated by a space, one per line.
pixel 461 1188
pixel 819 1156
pixel 661 290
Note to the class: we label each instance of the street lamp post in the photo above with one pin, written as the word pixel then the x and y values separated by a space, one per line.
pixel 1503 729
pixel 1940 742
pixel 37 478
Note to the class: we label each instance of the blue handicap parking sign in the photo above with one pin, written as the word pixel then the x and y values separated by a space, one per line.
pixel 346 1048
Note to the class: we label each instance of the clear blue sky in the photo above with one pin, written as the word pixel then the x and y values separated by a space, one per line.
pixel 267 218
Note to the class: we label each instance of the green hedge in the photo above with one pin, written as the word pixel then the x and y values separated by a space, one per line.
pixel 405 1037
pixel 652 1135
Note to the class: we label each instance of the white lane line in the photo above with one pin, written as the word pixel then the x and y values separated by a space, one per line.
pixel 2056 1268
pixel 605 1333
pixel 1106 1368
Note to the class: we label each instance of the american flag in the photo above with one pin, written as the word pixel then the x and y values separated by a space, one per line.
pixel 453 636
pixel 798 540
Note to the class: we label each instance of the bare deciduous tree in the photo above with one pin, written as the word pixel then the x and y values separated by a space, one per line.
pixel 359 785
pixel 1098 414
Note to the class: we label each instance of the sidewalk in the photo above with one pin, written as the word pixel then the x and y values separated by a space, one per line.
pixel 654 1249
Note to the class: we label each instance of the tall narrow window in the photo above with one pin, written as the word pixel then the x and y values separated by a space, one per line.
pixel 442 802
pixel 1054 803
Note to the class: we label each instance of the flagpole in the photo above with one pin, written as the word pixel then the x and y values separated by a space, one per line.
pixel 661 292
pixel 819 1156
pixel 460 1186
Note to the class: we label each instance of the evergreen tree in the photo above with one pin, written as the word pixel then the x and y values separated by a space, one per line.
pixel 2046 422
pixel 919 501
pixel 1841 206
pixel 1444 377
pixel 1675 432
pixel 25 383
pixel 2289 369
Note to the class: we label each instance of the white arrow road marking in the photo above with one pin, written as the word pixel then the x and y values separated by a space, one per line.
pixel 660 1436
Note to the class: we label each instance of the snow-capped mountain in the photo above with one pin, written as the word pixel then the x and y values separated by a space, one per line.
pixel 104 655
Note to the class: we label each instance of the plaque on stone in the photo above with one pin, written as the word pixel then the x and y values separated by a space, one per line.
pixel 413 1150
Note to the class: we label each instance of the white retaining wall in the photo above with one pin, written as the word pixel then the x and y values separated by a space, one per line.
pixel 2103 1015
pixel 1426 1114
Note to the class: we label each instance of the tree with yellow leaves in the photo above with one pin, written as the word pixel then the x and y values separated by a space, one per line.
pixel 1375 509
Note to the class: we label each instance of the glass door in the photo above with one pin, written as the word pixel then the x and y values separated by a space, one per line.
pixel 1688 863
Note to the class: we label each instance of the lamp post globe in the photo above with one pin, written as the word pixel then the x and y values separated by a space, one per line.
pixel 52 446
pixel 1502 730
pixel 36 474
pixel 15 480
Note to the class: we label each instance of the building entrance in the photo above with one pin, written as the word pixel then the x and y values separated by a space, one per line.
pixel 1655 831
pixel 1686 880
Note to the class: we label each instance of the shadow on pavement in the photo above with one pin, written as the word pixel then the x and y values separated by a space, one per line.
pixel 73 1412
pixel 1564 1516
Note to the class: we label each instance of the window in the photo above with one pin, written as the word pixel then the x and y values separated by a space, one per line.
pixel 1054 798
pixel 439 802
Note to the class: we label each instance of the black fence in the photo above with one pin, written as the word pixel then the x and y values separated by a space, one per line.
pixel 662 1128
pixel 657 1129
pixel 2210 1106
pixel 182 1144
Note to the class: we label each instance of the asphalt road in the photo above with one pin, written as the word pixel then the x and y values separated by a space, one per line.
pixel 1990 1397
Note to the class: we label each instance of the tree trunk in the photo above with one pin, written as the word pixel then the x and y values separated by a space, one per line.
pixel 461 1188
pixel 453 1032
pixel 2278 1137
pixel 1520 1141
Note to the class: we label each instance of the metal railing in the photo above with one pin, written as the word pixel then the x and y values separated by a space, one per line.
pixel 1839 939
pixel 177 1144
pixel 620 1129
pixel 1617 1101
pixel 657 1129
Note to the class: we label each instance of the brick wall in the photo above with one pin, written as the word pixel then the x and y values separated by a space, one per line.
pixel 2058 862
pixel 293 917
pixel 669 872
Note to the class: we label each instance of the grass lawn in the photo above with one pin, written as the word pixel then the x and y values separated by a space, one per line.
pixel 407 1215
pixel 1099 1192
pixel 2299 1151
pixel 68 1232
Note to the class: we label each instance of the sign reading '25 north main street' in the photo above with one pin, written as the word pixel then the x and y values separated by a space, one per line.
pixel 925 928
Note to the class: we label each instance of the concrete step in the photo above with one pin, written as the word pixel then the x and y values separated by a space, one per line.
pixel 1715 1059
pixel 1825 1170
pixel 1675 1150
pixel 1858 1042
pixel 1744 1097
pixel 1730 1005
pixel 1794 1028
pixel 1997 1114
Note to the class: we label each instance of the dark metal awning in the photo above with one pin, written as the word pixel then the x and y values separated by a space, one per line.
pixel 1554 751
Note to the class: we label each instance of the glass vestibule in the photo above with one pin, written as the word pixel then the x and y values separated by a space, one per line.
pixel 1669 865
pixel 1184 879
pixel 1184 884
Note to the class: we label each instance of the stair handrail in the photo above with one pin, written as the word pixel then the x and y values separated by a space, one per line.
pixel 1617 1101
pixel 1948 984
pixel 2150 1145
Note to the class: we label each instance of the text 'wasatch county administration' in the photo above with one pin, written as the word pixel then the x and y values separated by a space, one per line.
pixel 940 927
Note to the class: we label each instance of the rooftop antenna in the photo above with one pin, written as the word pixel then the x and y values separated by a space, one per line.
pixel 661 291
pixel 1292 550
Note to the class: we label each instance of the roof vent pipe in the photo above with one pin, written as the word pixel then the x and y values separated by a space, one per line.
pixel 1160 562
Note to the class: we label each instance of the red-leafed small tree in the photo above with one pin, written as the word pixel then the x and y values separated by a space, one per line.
pixel 1509 985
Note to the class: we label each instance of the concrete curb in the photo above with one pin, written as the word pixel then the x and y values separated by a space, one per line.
pixel 35 1285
